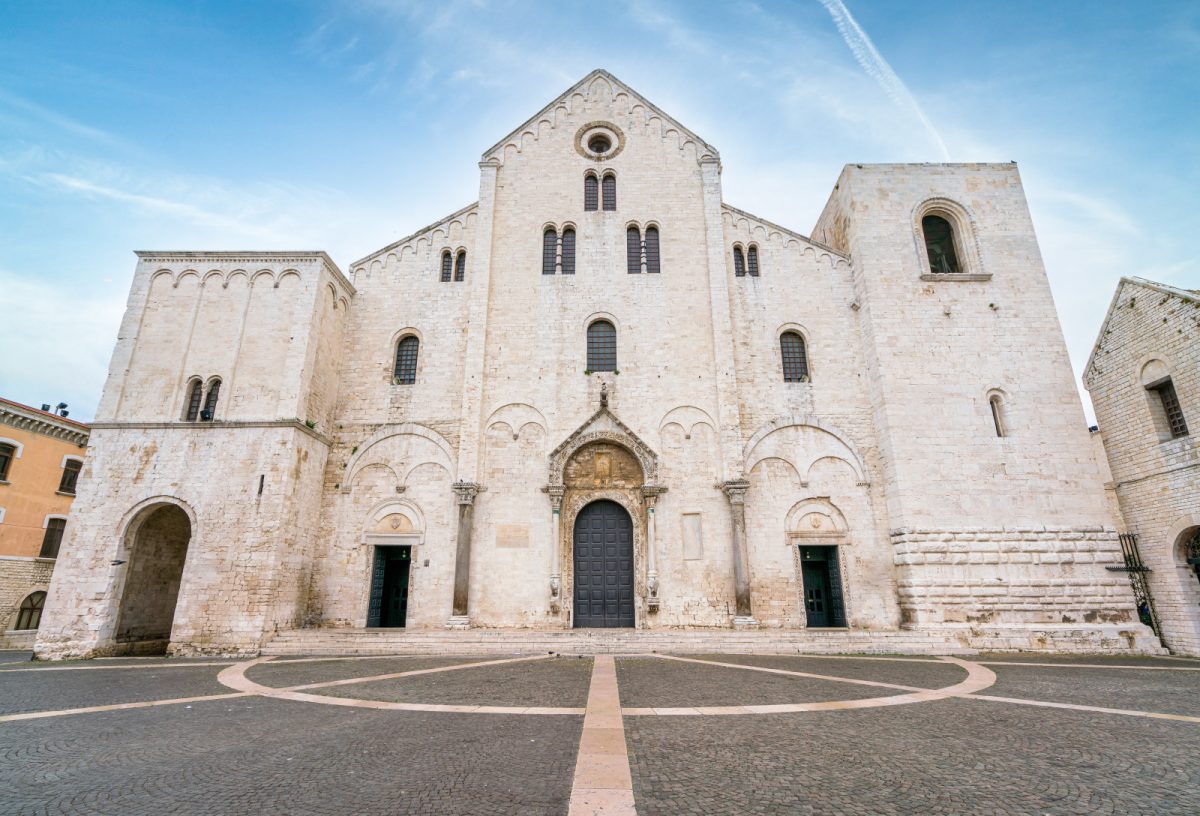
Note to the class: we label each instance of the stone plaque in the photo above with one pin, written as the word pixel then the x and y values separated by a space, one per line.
pixel 512 536
pixel 693 542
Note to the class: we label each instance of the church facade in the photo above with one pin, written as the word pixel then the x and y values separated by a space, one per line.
pixel 601 397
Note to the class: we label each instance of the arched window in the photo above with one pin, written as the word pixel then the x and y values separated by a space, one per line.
pixel 568 251
pixel 195 394
pixel 997 404
pixel 460 266
pixel 633 250
pixel 752 261
pixel 795 357
pixel 652 265
pixel 7 454
pixel 549 251
pixel 601 346
pixel 610 192
pixel 939 245
pixel 70 476
pixel 406 359
pixel 1176 425
pixel 739 262
pixel 591 192
pixel 210 401
pixel 30 614
pixel 446 266
pixel 52 539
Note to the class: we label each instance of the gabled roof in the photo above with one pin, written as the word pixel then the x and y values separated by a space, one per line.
pixel 427 228
pixel 583 85
pixel 770 225
pixel 1190 295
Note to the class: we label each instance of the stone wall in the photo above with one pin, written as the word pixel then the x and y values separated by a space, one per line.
pixel 20 576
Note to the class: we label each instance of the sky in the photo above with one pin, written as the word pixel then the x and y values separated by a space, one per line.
pixel 346 125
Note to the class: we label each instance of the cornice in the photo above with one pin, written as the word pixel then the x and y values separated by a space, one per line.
pixel 216 424
pixel 20 416
pixel 249 257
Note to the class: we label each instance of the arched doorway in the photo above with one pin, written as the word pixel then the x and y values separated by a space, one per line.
pixel 603 566
pixel 157 552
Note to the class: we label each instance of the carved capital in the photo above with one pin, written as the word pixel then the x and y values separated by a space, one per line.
pixel 650 494
pixel 466 492
pixel 555 492
pixel 735 489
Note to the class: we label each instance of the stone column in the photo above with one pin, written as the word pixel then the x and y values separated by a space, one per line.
pixel 736 491
pixel 466 493
pixel 556 497
pixel 651 493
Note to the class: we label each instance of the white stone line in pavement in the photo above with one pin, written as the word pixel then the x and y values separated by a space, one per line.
pixel 122 666
pixel 1087 666
pixel 603 784
pixel 1128 712
pixel 235 677
pixel 37 715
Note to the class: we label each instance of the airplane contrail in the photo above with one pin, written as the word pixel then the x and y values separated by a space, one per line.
pixel 877 67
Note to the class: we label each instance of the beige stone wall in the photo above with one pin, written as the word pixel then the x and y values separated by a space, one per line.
pixel 19 577
pixel 1149 332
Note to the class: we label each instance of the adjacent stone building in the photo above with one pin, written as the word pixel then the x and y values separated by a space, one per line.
pixel 1144 380
pixel 41 455
pixel 600 396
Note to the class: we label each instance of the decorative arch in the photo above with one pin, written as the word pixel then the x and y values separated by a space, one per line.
pixel 390 507
pixel 603 426
pixel 387 432
pixel 853 457
pixel 831 523
pixel 516 415
pixel 686 417
pixel 965 231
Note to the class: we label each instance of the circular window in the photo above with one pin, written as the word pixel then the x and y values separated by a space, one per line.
pixel 599 140
pixel 599 144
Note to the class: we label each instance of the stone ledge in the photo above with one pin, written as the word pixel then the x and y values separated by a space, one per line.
pixel 218 423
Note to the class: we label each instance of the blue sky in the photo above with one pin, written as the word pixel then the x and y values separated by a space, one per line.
pixel 346 125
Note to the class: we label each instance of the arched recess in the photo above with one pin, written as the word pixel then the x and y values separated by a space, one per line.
pixel 603 426
pixel 964 229
pixel 155 545
pixel 444 455
pixel 818 535
pixel 803 440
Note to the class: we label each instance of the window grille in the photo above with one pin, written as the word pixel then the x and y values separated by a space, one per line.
pixel 633 250
pixel 30 615
pixel 601 346
pixel 52 540
pixel 70 476
pixel 590 192
pixel 568 252
pixel 652 265
pixel 549 251
pixel 460 266
pixel 739 263
pixel 610 192
pixel 194 397
pixel 446 266
pixel 210 402
pixel 939 245
pixel 7 452
pixel 795 357
pixel 752 261
pixel 1171 407
pixel 406 360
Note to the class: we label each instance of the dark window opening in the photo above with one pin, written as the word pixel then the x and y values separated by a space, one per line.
pixel 568 252
pixel 633 251
pixel 52 540
pixel 30 614
pixel 739 263
pixel 652 265
pixel 939 244
pixel 1171 408
pixel 70 476
pixel 445 267
pixel 601 346
pixel 194 397
pixel 610 192
pixel 752 261
pixel 406 360
pixel 210 402
pixel 997 415
pixel 599 143
pixel 460 266
pixel 591 192
pixel 7 453
pixel 549 251
pixel 795 357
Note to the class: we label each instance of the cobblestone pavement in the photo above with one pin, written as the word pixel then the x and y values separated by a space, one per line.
pixel 989 752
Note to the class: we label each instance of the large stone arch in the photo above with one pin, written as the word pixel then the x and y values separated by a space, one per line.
pixel 828 442
pixel 359 458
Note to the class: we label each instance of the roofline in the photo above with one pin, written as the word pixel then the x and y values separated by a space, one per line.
pixel 303 254
pixel 34 420
pixel 416 234
pixel 1166 289
pixel 790 232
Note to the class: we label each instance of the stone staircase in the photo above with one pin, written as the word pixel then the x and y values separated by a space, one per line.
pixel 701 641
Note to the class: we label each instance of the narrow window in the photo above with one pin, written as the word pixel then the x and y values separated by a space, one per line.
pixel 610 192
pixel 1171 408
pixel 590 192
pixel 195 393
pixel 652 250
pixel 997 414
pixel 739 262
pixel 446 266
pixel 7 452
pixel 939 244
pixel 795 357
pixel 52 540
pixel 549 250
pixel 70 476
pixel 460 266
pixel 568 252
pixel 752 261
pixel 406 360
pixel 30 615
pixel 601 346
pixel 633 250
pixel 210 401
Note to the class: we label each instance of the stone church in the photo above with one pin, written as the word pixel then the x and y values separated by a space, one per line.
pixel 601 397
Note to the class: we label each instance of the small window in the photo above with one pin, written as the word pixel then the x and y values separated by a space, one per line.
pixel 549 251
pixel 633 251
pixel 568 252
pixel 652 265
pixel 601 346
pixel 7 452
pixel 939 245
pixel 445 267
pixel 739 262
pixel 52 540
pixel 795 357
pixel 591 192
pixel 210 401
pixel 599 144
pixel 195 395
pixel 30 614
pixel 752 261
pixel 70 476
pixel 1172 410
pixel 610 192
pixel 460 266
pixel 997 405
pixel 406 359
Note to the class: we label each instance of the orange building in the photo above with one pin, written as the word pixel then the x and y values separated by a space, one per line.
pixel 41 456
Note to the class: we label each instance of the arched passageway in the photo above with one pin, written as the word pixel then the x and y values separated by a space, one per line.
pixel 154 571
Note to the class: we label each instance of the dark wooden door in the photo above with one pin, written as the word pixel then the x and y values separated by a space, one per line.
pixel 389 587
pixel 816 593
pixel 603 566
